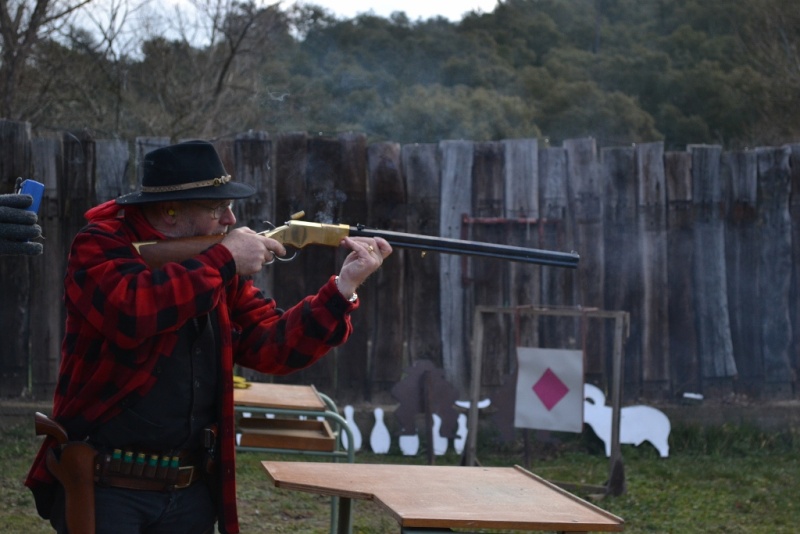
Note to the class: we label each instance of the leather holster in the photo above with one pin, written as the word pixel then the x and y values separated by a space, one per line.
pixel 72 464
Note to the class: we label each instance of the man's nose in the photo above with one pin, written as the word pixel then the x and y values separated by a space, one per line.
pixel 227 218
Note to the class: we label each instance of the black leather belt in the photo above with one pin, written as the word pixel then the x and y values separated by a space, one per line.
pixel 148 471
pixel 186 477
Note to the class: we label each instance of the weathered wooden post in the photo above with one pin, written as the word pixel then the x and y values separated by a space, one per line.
pixel 652 218
pixel 525 228
pixel 488 281
pixel 15 271
pixel 775 269
pixel 587 219
pixel 48 272
pixel 623 271
pixel 422 304
pixel 794 297
pixel 387 201
pixel 742 244
pixel 714 344
pixel 558 285
pixel 456 158
pixel 684 361
pixel 322 200
pixel 352 360
pixel 290 160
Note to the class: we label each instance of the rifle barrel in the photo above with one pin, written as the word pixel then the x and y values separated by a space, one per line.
pixel 471 248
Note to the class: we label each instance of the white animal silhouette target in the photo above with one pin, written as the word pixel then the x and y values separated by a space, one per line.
pixel 637 423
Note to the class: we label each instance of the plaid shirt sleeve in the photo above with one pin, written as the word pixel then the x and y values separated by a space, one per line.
pixel 273 341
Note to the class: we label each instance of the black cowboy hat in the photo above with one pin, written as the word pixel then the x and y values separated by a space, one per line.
pixel 190 170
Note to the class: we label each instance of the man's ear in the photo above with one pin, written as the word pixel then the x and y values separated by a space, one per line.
pixel 168 210
pixel 162 215
pixel 167 213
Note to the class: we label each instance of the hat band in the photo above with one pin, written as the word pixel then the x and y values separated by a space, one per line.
pixel 222 180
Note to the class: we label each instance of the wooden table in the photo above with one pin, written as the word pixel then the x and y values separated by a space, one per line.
pixel 288 433
pixel 421 497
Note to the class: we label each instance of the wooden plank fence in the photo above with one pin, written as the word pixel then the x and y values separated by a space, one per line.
pixel 695 245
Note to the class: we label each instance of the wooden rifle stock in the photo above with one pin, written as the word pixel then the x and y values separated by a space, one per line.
pixel 299 234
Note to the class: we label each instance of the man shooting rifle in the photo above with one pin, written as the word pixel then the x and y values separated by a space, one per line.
pixel 141 438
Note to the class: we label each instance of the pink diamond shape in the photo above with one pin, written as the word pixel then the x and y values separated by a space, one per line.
pixel 550 389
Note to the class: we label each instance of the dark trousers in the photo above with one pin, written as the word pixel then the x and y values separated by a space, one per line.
pixel 121 511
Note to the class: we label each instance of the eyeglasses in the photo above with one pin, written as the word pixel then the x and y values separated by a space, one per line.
pixel 218 210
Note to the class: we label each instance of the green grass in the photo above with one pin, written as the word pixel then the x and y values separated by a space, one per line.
pixel 726 479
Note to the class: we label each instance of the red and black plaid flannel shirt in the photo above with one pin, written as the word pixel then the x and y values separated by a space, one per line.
pixel 123 317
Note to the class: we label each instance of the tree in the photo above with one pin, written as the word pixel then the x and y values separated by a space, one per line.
pixel 83 72
pixel 182 89
pixel 23 25
pixel 580 108
pixel 688 71
pixel 428 114
pixel 771 41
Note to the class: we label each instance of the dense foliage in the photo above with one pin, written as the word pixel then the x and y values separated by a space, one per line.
pixel 622 71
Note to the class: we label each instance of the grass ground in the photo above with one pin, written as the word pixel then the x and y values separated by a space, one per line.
pixel 726 479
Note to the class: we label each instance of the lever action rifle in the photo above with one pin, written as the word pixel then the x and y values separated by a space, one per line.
pixel 299 234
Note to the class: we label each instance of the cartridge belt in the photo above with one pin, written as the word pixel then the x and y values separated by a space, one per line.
pixel 149 471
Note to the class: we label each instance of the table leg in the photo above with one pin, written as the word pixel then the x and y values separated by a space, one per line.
pixel 345 515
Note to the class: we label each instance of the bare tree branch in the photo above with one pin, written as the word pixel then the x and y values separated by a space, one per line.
pixel 22 26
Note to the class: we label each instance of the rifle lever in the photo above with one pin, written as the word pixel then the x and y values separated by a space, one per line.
pixel 271 228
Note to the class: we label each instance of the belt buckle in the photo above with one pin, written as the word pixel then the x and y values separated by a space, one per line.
pixel 188 483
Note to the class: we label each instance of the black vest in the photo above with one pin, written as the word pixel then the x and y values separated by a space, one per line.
pixel 181 404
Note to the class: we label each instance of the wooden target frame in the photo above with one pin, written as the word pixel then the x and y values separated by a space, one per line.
pixel 621 333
